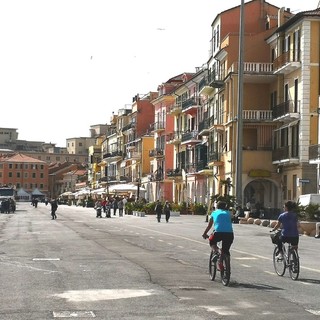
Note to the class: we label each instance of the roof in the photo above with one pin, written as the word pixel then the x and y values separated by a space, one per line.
pixel 20 158
pixel 298 16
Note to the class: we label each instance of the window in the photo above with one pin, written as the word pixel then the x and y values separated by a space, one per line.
pixel 26 175
pixel 41 175
pixel 10 175
pixel 10 166
pixel 18 174
pixel 34 175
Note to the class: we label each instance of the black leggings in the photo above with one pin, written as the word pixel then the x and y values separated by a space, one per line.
pixel 226 238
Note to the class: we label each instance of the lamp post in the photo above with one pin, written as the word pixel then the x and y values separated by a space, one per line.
pixel 240 108
pixel 138 187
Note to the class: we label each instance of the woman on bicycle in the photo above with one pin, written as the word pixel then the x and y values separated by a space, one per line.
pixel 288 221
pixel 223 231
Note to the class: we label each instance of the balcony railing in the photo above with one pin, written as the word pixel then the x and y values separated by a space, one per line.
pixel 285 109
pixel 214 156
pixel 174 172
pixel 257 115
pixel 285 153
pixel 157 126
pixel 201 165
pixel 113 154
pixel 129 126
pixel 188 136
pixel 175 108
pixel 253 67
pixel 192 102
pixel 174 137
pixel 291 58
pixel 204 126
pixel 155 153
pixel 133 155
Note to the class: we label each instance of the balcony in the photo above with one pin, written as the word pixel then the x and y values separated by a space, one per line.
pixel 175 109
pixel 157 176
pixel 287 154
pixel 157 126
pixel 257 115
pixel 174 173
pixel 287 62
pixel 204 127
pixel 190 138
pixel 131 126
pixel 131 146
pixel 174 137
pixel 113 156
pixel 125 179
pixel 190 106
pixel 133 155
pixel 314 154
pixel 156 153
pixel 215 159
pixel 208 83
pixel 286 111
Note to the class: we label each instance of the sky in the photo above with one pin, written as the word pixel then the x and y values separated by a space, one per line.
pixel 68 64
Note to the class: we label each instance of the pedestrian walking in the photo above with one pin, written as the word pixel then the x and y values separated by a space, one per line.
pixel 158 210
pixel 120 207
pixel 166 210
pixel 54 207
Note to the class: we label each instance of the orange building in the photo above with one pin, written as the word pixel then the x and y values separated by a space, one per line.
pixel 24 172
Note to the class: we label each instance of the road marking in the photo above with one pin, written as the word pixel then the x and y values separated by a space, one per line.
pixel 245 265
pixel 73 314
pixel 103 294
pixel 223 311
pixel 46 259
pixel 269 272
pixel 316 312
pixel 246 258
pixel 206 244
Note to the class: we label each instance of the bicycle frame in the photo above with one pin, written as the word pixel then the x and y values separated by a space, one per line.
pixel 220 262
pixel 290 260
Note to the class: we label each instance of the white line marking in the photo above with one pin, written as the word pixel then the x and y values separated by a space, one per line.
pixel 103 294
pixel 245 266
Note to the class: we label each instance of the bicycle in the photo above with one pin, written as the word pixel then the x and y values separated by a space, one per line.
pixel 219 261
pixel 289 260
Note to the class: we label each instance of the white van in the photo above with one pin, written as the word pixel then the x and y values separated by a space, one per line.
pixel 306 199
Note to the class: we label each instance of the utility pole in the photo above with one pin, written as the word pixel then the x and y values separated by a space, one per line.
pixel 240 109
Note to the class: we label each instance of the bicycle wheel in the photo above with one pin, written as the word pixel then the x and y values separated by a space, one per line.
pixel 212 267
pixel 279 264
pixel 225 270
pixel 294 266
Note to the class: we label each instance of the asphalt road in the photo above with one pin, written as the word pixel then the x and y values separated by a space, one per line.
pixel 80 266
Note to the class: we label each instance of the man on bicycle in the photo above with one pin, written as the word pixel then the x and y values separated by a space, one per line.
pixel 223 231
pixel 289 222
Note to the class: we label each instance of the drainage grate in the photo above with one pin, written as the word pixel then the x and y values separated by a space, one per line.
pixel 192 288
pixel 73 314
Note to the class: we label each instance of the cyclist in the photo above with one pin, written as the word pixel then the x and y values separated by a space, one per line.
pixel 223 230
pixel 289 222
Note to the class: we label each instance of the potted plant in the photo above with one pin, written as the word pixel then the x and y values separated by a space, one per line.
pixel 308 216
pixel 175 209
pixel 199 208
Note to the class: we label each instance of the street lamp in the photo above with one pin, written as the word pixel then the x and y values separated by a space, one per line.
pixel 240 108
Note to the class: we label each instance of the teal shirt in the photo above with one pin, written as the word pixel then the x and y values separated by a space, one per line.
pixel 222 220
